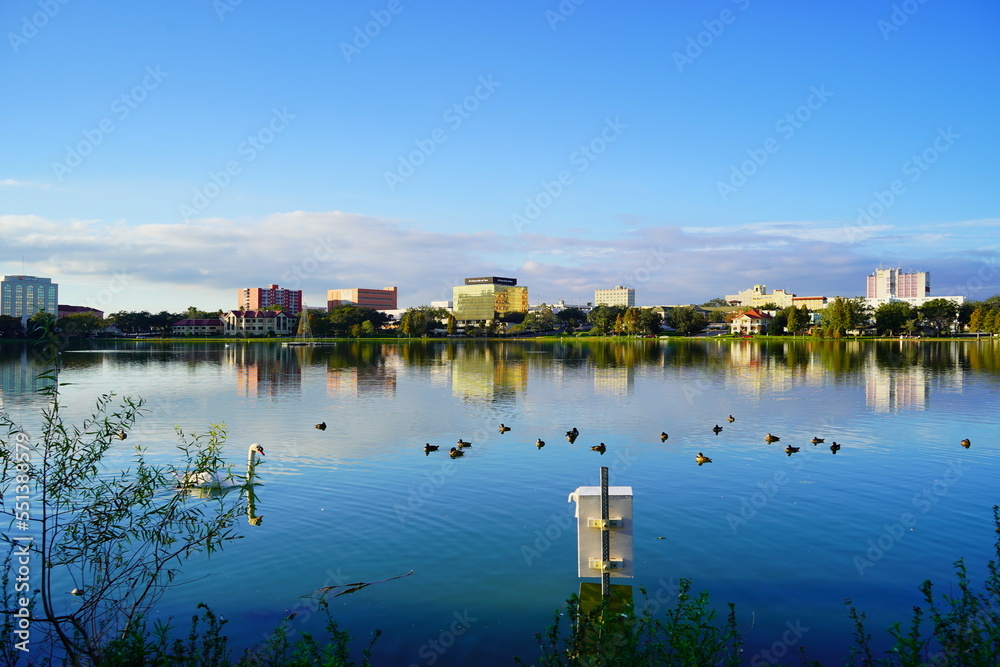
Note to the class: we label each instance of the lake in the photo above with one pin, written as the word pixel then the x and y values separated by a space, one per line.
pixel 490 537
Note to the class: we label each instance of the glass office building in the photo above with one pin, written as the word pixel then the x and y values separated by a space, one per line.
pixel 481 299
pixel 23 296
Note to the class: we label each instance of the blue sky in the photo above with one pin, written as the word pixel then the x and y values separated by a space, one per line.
pixel 161 155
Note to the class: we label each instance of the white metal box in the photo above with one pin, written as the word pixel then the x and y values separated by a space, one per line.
pixel 588 521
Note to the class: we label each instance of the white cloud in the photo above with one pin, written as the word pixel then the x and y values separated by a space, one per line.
pixel 11 183
pixel 316 251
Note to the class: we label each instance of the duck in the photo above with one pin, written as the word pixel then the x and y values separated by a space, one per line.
pixel 428 447
pixel 731 419
pixel 463 443
pixel 816 441
pixel 791 450
pixel 834 447
pixel 663 436
pixel 771 438
pixel 504 429
pixel 966 443
pixel 321 426
pixel 571 438
pixel 455 453
pixel 701 458
pixel 539 443
pixel 217 480
pixel 717 428
pixel 599 448
pixel 572 433
pixel 121 435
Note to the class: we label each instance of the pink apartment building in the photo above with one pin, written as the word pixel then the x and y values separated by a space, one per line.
pixel 259 298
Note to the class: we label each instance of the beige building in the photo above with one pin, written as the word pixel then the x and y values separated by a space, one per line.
pixel 258 323
pixel 619 296
pixel 759 296
pixel 197 327
pixel 750 322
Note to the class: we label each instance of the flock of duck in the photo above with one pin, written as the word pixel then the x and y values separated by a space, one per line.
pixel 573 434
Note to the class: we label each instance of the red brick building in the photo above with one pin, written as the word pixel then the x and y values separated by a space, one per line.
pixel 259 298
pixel 377 299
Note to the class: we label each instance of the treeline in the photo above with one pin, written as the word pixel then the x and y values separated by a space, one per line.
pixel 889 319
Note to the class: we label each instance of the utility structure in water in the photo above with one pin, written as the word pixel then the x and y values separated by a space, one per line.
pixel 604 535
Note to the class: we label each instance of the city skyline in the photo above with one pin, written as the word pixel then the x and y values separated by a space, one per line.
pixel 684 151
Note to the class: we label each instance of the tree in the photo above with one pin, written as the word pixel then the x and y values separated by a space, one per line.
pixel 603 318
pixel 342 318
pixel 81 324
pixel 650 321
pixel 991 321
pixel 418 321
pixel 11 327
pixel 571 326
pixel 716 302
pixel 567 314
pixel 892 317
pixel 976 320
pixel 120 536
pixel 939 314
pixel 798 319
pixel 779 322
pixel 131 321
pixel 541 320
pixel 452 325
pixel 842 315
pixel 686 320
pixel 511 317
pixel 162 321
pixel 40 323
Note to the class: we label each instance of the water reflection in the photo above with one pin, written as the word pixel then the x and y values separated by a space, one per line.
pixel 896 375
pixel 264 370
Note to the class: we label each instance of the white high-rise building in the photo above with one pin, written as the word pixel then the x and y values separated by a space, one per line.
pixel 894 284
pixel 23 296
pixel 619 296
pixel 886 285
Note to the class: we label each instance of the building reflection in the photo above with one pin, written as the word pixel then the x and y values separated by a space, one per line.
pixel 19 376
pixel 364 369
pixel 614 380
pixel 488 373
pixel 888 391
pixel 264 370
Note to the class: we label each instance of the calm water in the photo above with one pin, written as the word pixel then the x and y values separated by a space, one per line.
pixel 786 538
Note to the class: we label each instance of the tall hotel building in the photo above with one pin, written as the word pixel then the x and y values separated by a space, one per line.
pixel 259 298
pixel 893 284
pixel 23 296
pixel 377 299
pixel 482 299
pixel 619 296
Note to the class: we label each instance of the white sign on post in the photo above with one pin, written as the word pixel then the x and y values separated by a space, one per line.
pixel 589 525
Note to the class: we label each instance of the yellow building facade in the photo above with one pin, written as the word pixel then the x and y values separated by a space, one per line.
pixel 482 299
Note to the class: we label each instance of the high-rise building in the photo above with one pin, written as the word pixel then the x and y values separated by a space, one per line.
pixel 23 296
pixel 894 284
pixel 619 296
pixel 482 299
pixel 378 299
pixel 259 298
